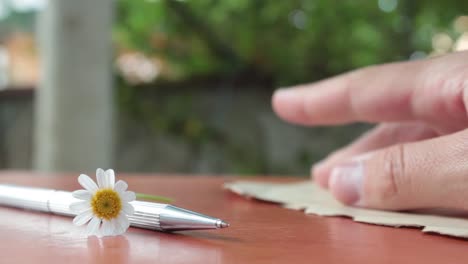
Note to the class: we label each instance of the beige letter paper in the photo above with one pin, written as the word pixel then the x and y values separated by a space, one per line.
pixel 314 200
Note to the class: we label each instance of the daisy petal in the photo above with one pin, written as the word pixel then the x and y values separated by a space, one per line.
pixel 123 222
pixel 128 196
pixel 107 228
pixel 110 178
pixel 87 183
pixel 82 195
pixel 93 226
pixel 101 178
pixel 128 209
pixel 79 207
pixel 120 186
pixel 82 218
pixel 118 230
pixel 121 230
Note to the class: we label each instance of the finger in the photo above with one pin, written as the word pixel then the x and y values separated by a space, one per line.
pixel 427 90
pixel 379 137
pixel 425 174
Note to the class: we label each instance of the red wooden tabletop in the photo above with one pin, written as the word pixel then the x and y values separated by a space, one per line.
pixel 260 232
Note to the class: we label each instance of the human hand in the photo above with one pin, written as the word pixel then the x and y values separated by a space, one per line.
pixel 417 155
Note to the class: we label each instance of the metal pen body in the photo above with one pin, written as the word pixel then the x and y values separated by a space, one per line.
pixel 148 215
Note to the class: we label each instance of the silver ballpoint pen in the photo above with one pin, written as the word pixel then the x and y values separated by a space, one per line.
pixel 148 215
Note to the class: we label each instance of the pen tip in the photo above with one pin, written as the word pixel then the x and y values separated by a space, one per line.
pixel 224 224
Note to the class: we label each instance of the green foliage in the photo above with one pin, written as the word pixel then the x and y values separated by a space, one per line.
pixel 290 41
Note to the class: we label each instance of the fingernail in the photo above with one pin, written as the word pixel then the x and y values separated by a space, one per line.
pixel 317 166
pixel 288 100
pixel 319 175
pixel 288 95
pixel 346 182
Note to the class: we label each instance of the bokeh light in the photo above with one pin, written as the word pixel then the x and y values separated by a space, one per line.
pixel 417 55
pixel 137 68
pixel 298 18
pixel 442 42
pixel 461 24
pixel 388 5
pixel 462 43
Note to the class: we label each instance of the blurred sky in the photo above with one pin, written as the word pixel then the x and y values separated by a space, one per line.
pixel 20 6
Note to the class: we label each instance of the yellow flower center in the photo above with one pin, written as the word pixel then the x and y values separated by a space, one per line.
pixel 106 204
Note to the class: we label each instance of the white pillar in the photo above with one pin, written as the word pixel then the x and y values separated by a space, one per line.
pixel 74 103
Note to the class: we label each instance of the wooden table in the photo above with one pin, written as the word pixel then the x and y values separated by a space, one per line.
pixel 260 232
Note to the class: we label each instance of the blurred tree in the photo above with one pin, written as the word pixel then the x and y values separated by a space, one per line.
pixel 288 41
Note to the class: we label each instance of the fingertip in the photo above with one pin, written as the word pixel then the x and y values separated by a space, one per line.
pixel 343 187
pixel 320 174
pixel 288 105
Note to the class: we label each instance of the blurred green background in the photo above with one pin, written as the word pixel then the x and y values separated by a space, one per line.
pixel 194 78
pixel 280 43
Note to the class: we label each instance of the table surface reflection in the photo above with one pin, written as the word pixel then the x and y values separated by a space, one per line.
pixel 260 232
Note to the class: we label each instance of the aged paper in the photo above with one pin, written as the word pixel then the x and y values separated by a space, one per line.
pixel 314 200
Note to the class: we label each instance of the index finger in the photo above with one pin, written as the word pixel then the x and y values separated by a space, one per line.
pixel 405 91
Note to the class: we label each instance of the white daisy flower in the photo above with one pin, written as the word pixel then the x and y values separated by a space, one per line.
pixel 105 206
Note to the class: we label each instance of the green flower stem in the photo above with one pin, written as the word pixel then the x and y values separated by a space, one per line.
pixel 144 196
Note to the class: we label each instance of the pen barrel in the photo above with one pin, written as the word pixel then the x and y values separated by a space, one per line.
pixel 148 215
pixel 37 199
pixel 23 197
